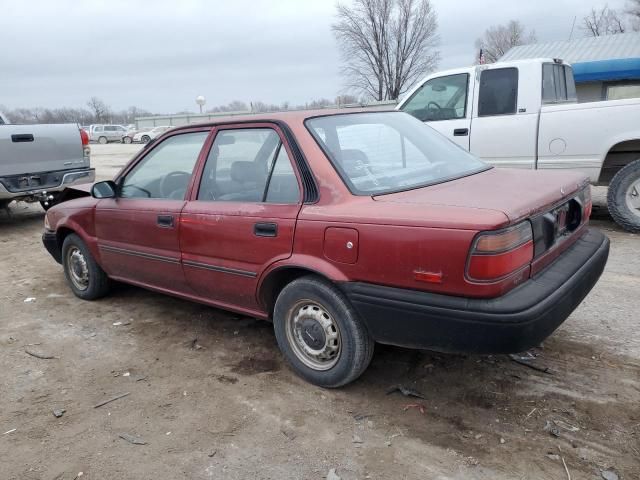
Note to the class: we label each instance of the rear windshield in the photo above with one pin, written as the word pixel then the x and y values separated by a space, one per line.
pixel 386 152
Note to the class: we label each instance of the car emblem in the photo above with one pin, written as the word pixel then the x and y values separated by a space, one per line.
pixel 561 191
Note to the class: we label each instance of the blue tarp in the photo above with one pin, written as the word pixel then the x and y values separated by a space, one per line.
pixel 607 70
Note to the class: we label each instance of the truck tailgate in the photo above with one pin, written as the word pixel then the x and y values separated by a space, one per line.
pixel 40 148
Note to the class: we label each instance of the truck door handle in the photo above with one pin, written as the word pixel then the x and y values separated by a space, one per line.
pixel 265 229
pixel 460 132
pixel 165 221
pixel 22 137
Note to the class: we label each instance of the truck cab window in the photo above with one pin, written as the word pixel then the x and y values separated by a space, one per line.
pixel 557 83
pixel 442 98
pixel 498 92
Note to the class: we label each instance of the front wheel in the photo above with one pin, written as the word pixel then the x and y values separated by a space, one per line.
pixel 320 334
pixel 623 198
pixel 145 139
pixel 85 277
pixel 126 140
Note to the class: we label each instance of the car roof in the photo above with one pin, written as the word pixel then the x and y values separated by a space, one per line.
pixel 290 116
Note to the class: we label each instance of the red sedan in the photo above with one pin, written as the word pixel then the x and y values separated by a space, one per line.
pixel 343 229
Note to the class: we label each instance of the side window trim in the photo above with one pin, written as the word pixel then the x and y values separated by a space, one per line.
pixel 274 159
pixel 517 82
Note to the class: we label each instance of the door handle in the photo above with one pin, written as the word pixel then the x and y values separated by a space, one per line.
pixel 265 229
pixel 165 221
pixel 22 137
pixel 460 132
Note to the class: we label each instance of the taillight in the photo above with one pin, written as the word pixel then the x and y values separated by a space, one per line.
pixel 86 149
pixel 495 255
pixel 84 136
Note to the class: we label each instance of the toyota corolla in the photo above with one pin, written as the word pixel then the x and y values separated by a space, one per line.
pixel 343 229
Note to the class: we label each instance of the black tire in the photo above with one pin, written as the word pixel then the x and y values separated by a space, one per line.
pixel 355 343
pixel 126 140
pixel 98 282
pixel 103 140
pixel 4 204
pixel 145 139
pixel 626 181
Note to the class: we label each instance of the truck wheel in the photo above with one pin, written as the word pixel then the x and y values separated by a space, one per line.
pixel 145 139
pixel 85 277
pixel 623 198
pixel 102 140
pixel 320 334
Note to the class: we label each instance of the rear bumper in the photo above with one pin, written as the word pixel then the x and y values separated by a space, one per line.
pixel 50 241
pixel 518 320
pixel 9 189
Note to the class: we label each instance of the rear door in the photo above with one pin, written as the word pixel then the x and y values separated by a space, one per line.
pixel 242 214
pixel 443 103
pixel 505 126
pixel 138 231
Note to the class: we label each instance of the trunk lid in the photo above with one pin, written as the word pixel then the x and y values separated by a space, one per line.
pixel 516 193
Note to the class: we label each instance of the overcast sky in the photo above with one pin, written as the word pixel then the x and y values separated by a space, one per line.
pixel 159 55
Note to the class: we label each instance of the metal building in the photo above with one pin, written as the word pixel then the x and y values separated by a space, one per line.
pixel 605 68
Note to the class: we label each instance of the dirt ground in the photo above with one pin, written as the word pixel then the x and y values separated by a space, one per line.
pixel 210 396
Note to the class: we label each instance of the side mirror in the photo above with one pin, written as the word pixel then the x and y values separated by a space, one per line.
pixel 106 189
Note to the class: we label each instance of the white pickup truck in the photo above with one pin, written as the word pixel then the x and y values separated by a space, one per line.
pixel 39 162
pixel 524 114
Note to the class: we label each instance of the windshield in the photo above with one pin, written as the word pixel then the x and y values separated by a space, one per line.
pixel 384 152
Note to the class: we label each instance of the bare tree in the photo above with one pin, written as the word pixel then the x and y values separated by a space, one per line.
pixel 633 11
pixel 605 21
pixel 99 109
pixel 499 39
pixel 386 45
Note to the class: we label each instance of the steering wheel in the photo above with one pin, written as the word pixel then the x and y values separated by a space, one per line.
pixel 434 104
pixel 165 184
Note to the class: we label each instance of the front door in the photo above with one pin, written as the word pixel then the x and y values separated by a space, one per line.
pixel 138 231
pixel 443 103
pixel 242 214
pixel 504 130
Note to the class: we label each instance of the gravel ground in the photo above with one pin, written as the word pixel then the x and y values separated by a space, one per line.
pixel 210 396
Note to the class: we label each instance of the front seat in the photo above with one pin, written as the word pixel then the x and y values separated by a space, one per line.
pixel 250 182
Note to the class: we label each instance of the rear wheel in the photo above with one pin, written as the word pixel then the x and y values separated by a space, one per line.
pixel 145 139
pixel 320 333
pixel 623 198
pixel 102 140
pixel 85 277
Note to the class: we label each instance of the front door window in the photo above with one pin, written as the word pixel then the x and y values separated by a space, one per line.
pixel 165 172
pixel 441 98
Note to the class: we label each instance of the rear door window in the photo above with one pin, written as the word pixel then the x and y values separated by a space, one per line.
pixel 498 92
pixel 248 165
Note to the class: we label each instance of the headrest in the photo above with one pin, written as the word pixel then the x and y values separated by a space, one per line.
pixel 245 172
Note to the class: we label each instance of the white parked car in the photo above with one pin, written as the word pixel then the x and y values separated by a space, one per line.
pixel 524 114
pixel 146 137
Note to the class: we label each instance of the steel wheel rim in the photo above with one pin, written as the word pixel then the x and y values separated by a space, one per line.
pixel 77 268
pixel 632 197
pixel 313 335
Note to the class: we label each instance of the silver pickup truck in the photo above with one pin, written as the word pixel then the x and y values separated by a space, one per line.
pixel 38 162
